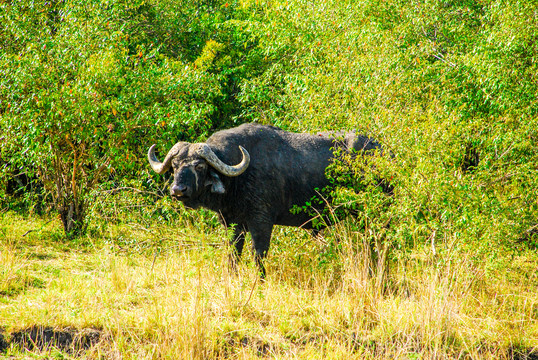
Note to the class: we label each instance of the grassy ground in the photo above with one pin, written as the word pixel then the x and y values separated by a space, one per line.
pixel 154 292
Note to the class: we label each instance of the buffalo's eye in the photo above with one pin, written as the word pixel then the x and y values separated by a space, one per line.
pixel 200 167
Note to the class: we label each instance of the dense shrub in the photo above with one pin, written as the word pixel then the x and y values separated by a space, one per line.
pixel 86 87
pixel 448 87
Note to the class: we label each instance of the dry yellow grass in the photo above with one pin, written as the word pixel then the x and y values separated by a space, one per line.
pixel 167 301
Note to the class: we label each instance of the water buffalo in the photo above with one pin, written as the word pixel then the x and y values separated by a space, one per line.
pixel 272 171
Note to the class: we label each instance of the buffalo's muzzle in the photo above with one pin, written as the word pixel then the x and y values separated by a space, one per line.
pixel 179 190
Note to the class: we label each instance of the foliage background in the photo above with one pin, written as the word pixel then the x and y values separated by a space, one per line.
pixel 449 88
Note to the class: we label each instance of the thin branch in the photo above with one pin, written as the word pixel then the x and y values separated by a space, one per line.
pixel 157 251
pixel 531 229
pixel 101 168
pixel 73 177
pixel 444 60
pixel 29 231
pixel 251 291
pixel 132 189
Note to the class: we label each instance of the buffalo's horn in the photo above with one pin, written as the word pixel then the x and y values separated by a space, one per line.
pixel 205 151
pixel 162 167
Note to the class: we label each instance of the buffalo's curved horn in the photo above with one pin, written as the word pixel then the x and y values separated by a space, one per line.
pixel 162 167
pixel 205 151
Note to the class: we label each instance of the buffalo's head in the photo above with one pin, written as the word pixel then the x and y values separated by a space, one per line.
pixel 196 167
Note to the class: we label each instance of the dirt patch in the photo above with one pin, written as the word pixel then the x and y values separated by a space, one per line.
pixel 260 347
pixel 66 339
pixel 3 343
pixel 530 354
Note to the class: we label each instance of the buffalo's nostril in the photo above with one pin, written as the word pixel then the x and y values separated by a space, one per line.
pixel 178 189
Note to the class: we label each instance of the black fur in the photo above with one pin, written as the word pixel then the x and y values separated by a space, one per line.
pixel 286 169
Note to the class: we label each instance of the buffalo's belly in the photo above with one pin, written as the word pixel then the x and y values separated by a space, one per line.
pixel 302 220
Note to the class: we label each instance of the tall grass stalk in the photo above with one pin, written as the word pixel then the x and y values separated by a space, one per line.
pixel 185 303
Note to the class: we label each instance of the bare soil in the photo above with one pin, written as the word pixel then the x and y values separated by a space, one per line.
pixel 67 339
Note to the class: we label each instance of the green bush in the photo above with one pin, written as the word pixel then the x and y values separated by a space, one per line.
pixel 86 88
pixel 448 87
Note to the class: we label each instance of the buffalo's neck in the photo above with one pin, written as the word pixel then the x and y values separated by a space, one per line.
pixel 226 205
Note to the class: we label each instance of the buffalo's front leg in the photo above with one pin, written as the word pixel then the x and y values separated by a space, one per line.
pixel 261 238
pixel 238 240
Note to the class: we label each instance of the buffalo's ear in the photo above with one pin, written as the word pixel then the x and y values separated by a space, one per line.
pixel 217 186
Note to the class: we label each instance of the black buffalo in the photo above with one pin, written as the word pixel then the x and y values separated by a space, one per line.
pixel 275 170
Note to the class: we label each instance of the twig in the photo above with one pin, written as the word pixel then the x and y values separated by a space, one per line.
pixel 99 171
pixel 157 251
pixel 132 189
pixel 440 57
pixel 251 291
pixel 29 231
pixel 531 229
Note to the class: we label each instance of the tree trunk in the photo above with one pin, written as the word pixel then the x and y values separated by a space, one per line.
pixel 73 216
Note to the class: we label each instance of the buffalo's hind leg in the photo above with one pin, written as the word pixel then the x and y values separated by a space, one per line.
pixel 261 238
pixel 237 241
